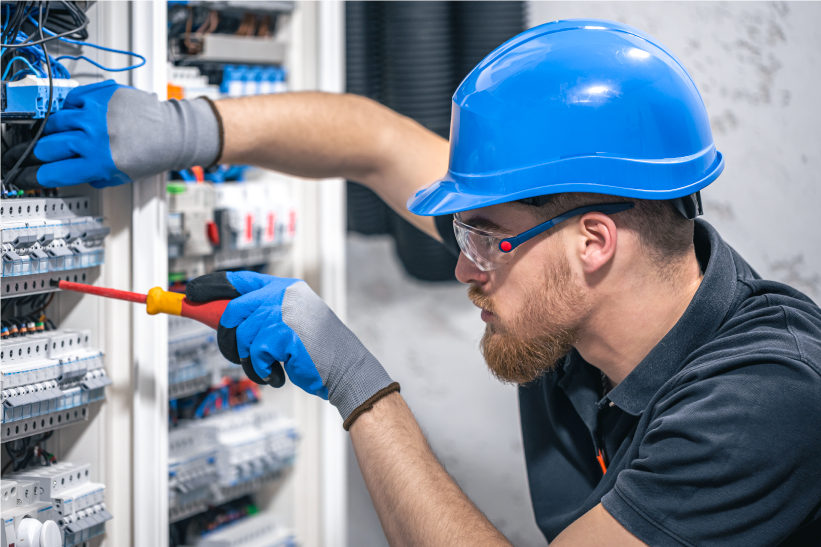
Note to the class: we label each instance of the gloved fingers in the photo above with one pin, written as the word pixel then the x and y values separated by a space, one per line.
pixel 227 343
pixel 277 342
pixel 75 171
pixel 275 379
pixel 26 178
pixel 268 298
pixel 249 328
pixel 270 346
pixel 212 286
pixel 13 154
pixel 76 98
pixel 231 345
pixel 66 120
pixel 246 282
pixel 59 146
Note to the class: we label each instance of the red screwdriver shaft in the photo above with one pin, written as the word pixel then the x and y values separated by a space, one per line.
pixel 103 291
pixel 158 301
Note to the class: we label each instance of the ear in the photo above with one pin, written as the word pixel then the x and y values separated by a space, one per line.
pixel 597 236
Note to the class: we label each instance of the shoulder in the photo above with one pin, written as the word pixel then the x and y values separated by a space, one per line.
pixel 767 320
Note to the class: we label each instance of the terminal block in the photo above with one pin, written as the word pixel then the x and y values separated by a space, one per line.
pixel 253 531
pixel 47 381
pixel 227 456
pixel 28 98
pixel 75 504
pixel 45 238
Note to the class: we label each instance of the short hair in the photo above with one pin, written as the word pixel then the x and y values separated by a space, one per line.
pixel 663 231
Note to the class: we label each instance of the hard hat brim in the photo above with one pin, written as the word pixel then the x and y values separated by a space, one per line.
pixel 454 193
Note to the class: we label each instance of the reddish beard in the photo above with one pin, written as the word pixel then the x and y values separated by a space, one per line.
pixel 521 349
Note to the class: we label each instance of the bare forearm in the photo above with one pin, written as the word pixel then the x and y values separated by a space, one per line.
pixel 323 135
pixel 418 503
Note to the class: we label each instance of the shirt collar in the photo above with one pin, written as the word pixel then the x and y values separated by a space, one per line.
pixel 700 321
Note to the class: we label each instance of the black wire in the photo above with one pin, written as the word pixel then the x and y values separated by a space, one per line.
pixel 30 147
pixel 12 22
pixel 42 39
pixel 6 304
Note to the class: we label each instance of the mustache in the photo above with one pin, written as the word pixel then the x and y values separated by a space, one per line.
pixel 480 299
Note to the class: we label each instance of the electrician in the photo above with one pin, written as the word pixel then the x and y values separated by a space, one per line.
pixel 668 395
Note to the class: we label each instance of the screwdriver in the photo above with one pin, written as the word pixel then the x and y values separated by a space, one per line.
pixel 171 303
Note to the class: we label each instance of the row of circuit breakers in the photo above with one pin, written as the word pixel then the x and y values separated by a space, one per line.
pixel 49 377
pixel 227 226
pixel 46 238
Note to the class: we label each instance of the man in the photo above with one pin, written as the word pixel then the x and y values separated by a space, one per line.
pixel 668 395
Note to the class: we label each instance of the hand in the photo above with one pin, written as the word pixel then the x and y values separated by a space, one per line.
pixel 108 134
pixel 274 319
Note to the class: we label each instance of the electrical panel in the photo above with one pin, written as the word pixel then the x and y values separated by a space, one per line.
pixel 53 377
pixel 81 403
pixel 231 442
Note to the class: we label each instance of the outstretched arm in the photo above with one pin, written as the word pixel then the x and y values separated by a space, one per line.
pixel 321 135
pixel 110 134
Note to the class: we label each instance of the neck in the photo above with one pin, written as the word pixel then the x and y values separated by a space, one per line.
pixel 633 317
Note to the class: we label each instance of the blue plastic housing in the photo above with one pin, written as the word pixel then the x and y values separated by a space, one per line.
pixel 28 98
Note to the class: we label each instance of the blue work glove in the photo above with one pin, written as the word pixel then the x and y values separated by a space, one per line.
pixel 274 319
pixel 108 134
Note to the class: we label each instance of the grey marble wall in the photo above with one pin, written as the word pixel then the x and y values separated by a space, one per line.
pixel 758 68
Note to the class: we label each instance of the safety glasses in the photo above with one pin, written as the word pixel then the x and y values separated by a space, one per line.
pixel 489 249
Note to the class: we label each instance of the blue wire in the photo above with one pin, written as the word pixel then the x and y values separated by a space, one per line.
pixel 89 44
pixel 98 65
pixel 16 74
pixel 26 62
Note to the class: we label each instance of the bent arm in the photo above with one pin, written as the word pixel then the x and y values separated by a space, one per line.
pixel 418 503
pixel 323 135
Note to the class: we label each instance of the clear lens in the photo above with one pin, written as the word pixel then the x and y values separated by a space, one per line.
pixel 480 246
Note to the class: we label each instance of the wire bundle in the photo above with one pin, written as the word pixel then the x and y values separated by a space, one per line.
pixel 26 451
pixel 18 45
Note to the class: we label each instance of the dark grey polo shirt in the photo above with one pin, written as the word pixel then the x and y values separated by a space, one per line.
pixel 713 439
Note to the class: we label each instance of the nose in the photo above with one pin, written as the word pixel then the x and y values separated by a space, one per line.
pixel 469 273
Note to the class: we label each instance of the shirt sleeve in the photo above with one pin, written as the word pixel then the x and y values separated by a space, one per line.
pixel 444 225
pixel 733 459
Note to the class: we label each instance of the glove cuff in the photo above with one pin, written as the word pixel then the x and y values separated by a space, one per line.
pixel 360 383
pixel 368 404
pixel 221 128
pixel 202 133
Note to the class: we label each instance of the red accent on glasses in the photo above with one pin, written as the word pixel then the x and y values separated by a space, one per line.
pixel 506 246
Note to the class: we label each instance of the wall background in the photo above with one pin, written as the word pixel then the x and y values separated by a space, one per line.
pixel 757 67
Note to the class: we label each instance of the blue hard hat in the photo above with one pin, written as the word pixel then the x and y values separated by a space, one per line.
pixel 582 105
